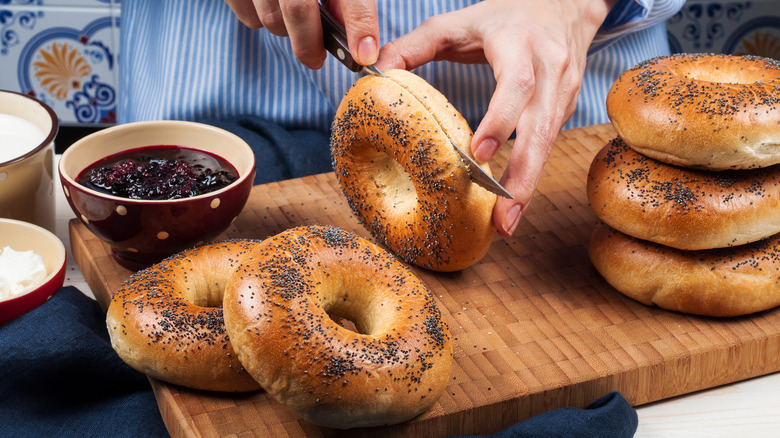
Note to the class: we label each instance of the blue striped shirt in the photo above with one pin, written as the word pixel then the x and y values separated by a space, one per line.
pixel 189 59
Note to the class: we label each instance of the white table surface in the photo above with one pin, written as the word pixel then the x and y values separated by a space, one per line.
pixel 750 408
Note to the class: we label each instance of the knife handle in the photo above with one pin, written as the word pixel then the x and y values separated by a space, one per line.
pixel 334 37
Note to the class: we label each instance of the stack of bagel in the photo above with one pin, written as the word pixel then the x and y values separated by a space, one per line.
pixel 688 194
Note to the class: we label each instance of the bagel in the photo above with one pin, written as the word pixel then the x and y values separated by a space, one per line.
pixel 696 110
pixel 402 177
pixel 683 208
pixel 166 321
pixel 280 311
pixel 718 282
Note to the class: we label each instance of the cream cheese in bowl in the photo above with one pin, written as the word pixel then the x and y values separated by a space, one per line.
pixel 20 272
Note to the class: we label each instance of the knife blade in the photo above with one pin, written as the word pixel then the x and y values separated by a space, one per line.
pixel 335 40
pixel 479 176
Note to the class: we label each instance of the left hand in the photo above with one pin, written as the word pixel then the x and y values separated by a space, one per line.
pixel 300 21
pixel 537 50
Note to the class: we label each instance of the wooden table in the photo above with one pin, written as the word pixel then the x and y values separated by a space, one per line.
pixel 536 327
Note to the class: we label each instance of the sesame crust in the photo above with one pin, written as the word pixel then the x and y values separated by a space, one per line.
pixel 280 308
pixel 700 110
pixel 166 320
pixel 403 179
pixel 680 207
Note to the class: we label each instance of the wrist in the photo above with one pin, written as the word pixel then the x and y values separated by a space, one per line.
pixel 600 9
pixel 594 13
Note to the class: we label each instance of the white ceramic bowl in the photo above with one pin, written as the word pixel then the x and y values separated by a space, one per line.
pixel 24 236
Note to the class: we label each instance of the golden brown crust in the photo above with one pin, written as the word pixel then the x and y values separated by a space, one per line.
pixel 720 282
pixel 710 111
pixel 166 320
pixel 679 207
pixel 278 310
pixel 403 179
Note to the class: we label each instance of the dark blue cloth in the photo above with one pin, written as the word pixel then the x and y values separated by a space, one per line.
pixel 59 376
pixel 608 417
pixel 280 153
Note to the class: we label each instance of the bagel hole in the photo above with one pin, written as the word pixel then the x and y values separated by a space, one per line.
pixel 392 180
pixel 353 298
pixel 206 291
pixel 346 322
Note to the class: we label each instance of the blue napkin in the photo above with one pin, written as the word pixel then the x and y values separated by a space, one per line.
pixel 59 376
pixel 608 417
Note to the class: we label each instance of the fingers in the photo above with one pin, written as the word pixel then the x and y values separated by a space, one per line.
pixel 362 26
pixel 515 87
pixel 551 103
pixel 522 174
pixel 245 11
pixel 300 21
pixel 270 14
pixel 449 36
pixel 411 50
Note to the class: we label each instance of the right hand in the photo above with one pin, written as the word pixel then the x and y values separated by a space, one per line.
pixel 300 20
pixel 538 51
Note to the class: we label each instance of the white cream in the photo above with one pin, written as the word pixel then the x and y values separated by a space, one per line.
pixel 20 272
pixel 18 137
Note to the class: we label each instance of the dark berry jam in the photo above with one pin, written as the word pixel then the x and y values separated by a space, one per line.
pixel 159 172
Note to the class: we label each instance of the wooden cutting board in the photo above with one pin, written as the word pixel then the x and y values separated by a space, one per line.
pixel 536 327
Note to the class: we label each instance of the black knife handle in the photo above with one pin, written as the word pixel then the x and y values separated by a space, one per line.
pixel 334 37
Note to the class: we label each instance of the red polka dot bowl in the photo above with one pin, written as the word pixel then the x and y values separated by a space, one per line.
pixel 143 232
pixel 26 292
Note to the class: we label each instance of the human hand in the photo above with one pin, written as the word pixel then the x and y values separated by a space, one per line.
pixel 300 20
pixel 537 50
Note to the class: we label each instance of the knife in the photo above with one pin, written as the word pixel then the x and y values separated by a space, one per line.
pixel 335 40
pixel 479 176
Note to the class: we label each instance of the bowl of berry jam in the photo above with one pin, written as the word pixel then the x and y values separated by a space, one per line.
pixel 152 189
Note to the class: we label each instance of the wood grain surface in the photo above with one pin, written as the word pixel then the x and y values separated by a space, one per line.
pixel 536 327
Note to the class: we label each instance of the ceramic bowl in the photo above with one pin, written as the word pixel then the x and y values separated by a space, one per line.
pixel 24 236
pixel 143 232
pixel 27 131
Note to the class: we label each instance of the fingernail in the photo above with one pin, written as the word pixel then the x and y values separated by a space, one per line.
pixel 511 219
pixel 367 51
pixel 486 149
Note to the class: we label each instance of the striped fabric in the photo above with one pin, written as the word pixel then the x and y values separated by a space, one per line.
pixel 191 59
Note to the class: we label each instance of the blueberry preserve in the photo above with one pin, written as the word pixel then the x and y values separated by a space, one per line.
pixel 159 172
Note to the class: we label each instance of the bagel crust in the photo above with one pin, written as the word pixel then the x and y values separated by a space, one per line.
pixel 281 309
pixel 401 176
pixel 680 207
pixel 719 282
pixel 696 110
pixel 166 320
